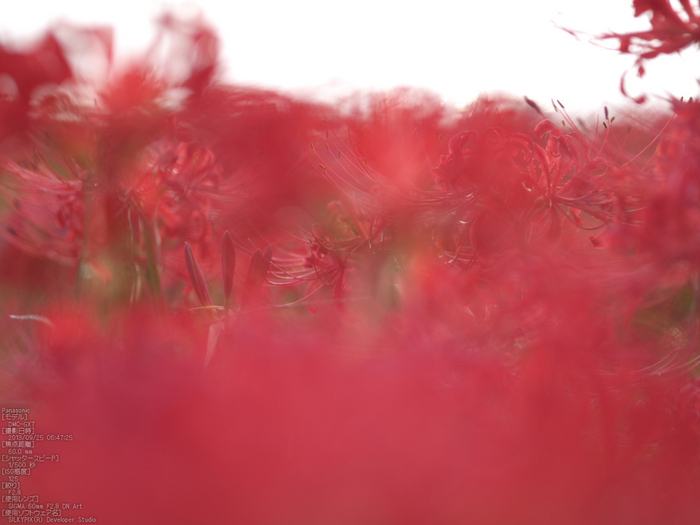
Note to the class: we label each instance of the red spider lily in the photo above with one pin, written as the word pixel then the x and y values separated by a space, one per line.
pixel 658 216
pixel 346 242
pixel 45 64
pixel 311 430
pixel 671 31
pixel 511 331
pixel 175 194
pixel 47 215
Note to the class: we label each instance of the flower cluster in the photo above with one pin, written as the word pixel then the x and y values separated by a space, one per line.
pixel 247 305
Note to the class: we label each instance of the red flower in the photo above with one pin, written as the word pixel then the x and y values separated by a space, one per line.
pixel 671 31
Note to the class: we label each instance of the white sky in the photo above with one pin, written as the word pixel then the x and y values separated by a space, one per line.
pixel 456 49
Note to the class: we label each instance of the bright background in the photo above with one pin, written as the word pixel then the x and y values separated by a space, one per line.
pixel 326 48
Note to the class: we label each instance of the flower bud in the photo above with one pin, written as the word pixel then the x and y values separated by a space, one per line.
pixel 196 277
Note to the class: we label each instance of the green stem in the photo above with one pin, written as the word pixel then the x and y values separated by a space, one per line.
pixel 150 234
pixel 83 271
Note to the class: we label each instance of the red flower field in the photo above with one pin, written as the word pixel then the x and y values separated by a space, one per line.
pixel 220 304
